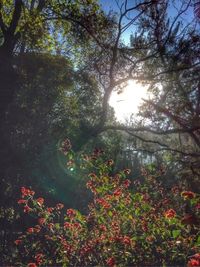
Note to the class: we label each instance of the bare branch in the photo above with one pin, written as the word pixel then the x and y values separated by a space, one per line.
pixel 164 147
pixel 150 130
pixel 175 20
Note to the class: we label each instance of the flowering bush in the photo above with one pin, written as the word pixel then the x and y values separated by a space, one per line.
pixel 146 228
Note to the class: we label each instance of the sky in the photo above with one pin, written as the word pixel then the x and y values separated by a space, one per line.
pixel 108 5
pixel 129 101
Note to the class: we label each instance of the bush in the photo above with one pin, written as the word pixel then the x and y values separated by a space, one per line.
pixel 122 228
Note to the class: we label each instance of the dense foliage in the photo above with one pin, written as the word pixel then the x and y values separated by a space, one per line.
pixel 148 227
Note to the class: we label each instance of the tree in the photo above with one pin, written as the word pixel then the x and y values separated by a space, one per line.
pixel 30 25
pixel 164 55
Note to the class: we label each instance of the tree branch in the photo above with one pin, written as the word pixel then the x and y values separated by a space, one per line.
pixel 16 16
pixel 164 147
pixel 150 130
pixel 2 24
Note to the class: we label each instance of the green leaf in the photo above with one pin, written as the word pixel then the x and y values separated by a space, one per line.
pixel 110 213
pixel 197 243
pixel 137 211
pixel 70 155
pixel 172 221
pixel 57 226
pixel 146 207
pixel 176 233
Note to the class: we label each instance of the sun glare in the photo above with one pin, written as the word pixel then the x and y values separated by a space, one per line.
pixel 127 102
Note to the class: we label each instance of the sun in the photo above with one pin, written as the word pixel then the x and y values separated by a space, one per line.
pixel 127 102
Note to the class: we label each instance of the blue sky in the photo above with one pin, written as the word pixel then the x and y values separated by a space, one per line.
pixel 108 5
pixel 111 5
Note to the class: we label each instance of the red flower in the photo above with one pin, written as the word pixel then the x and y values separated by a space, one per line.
pixel 65 146
pixel 197 206
pixel 106 205
pixel 31 264
pixel 21 201
pixel 102 227
pixel 90 185
pixel 67 225
pixel 41 221
pixel 26 192
pixel 71 212
pixel 188 194
pixel 126 240
pixel 30 230
pixel 115 226
pixel 59 206
pixel 66 246
pixel 27 209
pixel 197 256
pixel 103 203
pixel 86 249
pixel 23 190
pixel 170 214
pixel 77 225
pixel 110 261
pixel 194 262
pixel 40 201
pixel 117 192
pixel 18 242
pixel 39 258
pixel 126 183
pixel 49 210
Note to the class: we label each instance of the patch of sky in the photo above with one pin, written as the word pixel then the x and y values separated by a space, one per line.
pixel 174 6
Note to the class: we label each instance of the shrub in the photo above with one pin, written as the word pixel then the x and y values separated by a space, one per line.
pixel 122 228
